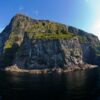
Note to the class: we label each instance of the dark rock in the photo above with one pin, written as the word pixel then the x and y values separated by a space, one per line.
pixel 73 30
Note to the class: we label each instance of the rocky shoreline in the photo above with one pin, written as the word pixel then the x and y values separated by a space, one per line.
pixel 15 68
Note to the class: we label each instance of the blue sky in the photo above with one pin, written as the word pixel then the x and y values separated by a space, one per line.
pixel 82 14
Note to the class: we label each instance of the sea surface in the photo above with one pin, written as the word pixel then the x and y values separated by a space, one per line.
pixel 77 85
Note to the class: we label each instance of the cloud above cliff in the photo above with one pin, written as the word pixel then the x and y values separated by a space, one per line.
pixel 95 25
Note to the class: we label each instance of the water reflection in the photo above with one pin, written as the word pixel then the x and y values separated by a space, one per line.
pixel 78 85
pixel 76 79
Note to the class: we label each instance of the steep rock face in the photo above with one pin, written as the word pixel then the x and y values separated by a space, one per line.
pixel 38 44
pixel 48 53
pixel 88 53
pixel 89 44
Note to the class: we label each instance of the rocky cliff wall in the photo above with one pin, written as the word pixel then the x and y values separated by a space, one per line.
pixel 39 44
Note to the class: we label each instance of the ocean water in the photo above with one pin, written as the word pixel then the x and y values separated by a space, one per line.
pixel 77 85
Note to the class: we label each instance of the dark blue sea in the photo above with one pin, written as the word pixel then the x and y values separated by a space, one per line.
pixel 77 85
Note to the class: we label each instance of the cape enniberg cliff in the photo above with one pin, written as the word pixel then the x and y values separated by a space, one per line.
pixel 40 44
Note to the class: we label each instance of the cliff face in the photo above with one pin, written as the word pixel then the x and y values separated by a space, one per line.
pixel 39 44
pixel 90 45
pixel 49 53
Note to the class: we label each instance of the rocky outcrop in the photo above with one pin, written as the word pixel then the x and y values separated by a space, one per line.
pixel 42 44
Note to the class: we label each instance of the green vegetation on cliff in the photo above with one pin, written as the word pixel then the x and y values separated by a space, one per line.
pixel 53 36
pixel 49 30
pixel 12 39
pixel 8 45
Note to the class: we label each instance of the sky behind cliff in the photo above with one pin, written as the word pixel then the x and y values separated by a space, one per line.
pixel 84 14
